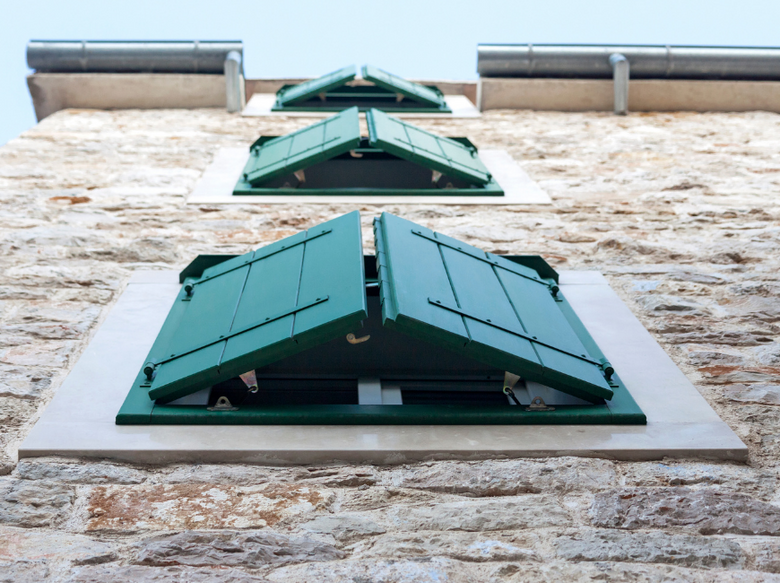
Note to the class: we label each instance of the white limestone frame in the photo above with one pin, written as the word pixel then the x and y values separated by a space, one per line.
pixel 218 180
pixel 80 419
pixel 260 104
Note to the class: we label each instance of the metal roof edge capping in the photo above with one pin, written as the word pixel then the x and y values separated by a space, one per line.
pixel 646 61
pixel 67 56
pixel 259 307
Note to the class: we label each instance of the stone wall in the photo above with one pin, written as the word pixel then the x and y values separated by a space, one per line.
pixel 680 211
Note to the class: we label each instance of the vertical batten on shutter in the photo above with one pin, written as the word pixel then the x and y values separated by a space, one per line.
pixel 266 305
pixel 411 143
pixel 318 142
pixel 498 312
pixel 312 88
pixel 414 91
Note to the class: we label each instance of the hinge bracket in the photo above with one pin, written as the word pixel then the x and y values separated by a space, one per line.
pixel 222 404
pixel 538 404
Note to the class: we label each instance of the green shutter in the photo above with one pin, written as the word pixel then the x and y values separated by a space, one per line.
pixel 396 84
pixel 309 89
pixel 260 307
pixel 411 143
pixel 318 142
pixel 446 292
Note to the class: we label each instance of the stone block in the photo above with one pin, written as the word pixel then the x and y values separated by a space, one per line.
pixel 199 506
pixel 45 545
pixel 237 549
pixel 653 547
pixel 460 546
pixel 344 527
pixel 509 513
pixel 35 504
pixel 506 478
pixel 706 511
pixel 75 472
pixel 123 574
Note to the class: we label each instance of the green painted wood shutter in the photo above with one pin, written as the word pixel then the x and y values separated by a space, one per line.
pixel 318 142
pixel 413 91
pixel 263 306
pixel 310 89
pixel 488 308
pixel 416 145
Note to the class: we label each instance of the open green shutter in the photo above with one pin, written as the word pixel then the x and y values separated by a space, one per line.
pixel 411 143
pixel 309 89
pixel 264 306
pixel 441 290
pixel 414 91
pixel 318 142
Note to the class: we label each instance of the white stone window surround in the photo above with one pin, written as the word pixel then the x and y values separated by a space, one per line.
pixel 218 180
pixel 80 419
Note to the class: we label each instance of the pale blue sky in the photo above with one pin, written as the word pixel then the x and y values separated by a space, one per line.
pixel 412 38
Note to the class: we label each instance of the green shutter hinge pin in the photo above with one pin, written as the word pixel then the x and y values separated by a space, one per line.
pixel 607 368
pixel 149 370
pixel 188 289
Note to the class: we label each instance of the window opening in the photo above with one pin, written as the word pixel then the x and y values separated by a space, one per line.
pixel 330 157
pixel 308 330
pixel 337 91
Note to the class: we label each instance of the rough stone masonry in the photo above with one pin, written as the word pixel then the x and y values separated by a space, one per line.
pixel 680 211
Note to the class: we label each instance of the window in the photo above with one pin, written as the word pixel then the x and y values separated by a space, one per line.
pixel 431 330
pixel 397 158
pixel 332 92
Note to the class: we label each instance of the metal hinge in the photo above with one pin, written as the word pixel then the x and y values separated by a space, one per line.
pixel 538 404
pixel 222 404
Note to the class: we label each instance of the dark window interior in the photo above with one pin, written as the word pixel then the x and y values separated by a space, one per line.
pixel 328 374
pixel 373 168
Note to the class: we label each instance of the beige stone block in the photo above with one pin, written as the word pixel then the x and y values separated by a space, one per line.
pixel 52 92
pixel 643 95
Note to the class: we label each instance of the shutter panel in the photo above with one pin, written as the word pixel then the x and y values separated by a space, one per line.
pixel 264 306
pixel 318 142
pixel 310 89
pixel 411 143
pixel 446 292
pixel 414 91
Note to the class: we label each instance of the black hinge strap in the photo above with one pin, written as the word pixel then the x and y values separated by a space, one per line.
pixel 258 257
pixel 514 331
pixel 553 288
pixel 224 337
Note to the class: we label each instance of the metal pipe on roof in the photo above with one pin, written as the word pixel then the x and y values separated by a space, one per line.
pixel 234 82
pixel 620 74
pixel 130 56
pixel 647 61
